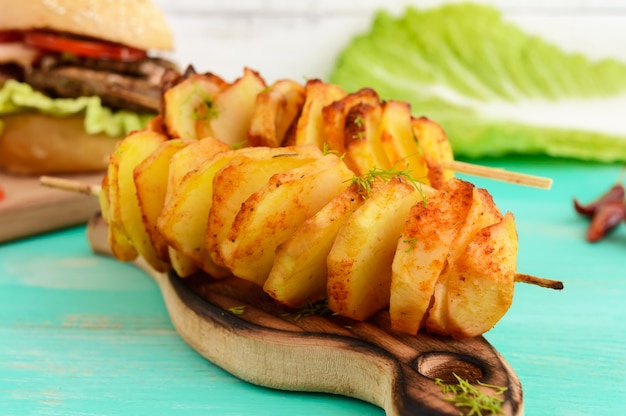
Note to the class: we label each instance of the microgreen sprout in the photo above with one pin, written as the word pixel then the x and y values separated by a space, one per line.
pixel 310 309
pixel 359 122
pixel 327 150
pixel 237 310
pixel 239 145
pixel 411 242
pixel 470 397
pixel 204 109
pixel 364 182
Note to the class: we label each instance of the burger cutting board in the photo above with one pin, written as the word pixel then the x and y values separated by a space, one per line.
pixel 29 208
pixel 236 326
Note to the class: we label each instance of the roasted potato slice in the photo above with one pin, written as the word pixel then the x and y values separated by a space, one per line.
pixel 422 252
pixel 482 213
pixel 481 292
pixel 233 108
pixel 118 239
pixel 364 149
pixel 275 110
pixel 247 172
pixel 299 272
pixel 151 178
pixel 188 106
pixel 183 221
pixel 271 215
pixel 334 117
pixel 184 161
pixel 359 262
pixel 399 142
pixel 310 127
pixel 131 152
pixel 103 198
pixel 435 149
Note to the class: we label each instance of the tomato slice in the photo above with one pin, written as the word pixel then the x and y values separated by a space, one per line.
pixel 1 194
pixel 82 47
pixel 9 36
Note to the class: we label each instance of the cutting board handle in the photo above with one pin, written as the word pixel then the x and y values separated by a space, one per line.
pixel 233 324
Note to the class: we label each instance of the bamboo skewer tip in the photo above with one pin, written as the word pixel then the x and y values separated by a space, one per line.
pixel 538 281
pixel 499 174
pixel 70 185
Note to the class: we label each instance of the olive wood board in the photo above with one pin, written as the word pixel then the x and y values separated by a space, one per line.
pixel 273 347
pixel 29 208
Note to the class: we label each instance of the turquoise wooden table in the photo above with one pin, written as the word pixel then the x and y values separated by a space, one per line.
pixel 82 334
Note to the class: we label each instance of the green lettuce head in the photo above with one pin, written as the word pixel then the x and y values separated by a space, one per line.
pixel 494 89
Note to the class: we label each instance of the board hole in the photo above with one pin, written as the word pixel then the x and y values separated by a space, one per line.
pixel 443 365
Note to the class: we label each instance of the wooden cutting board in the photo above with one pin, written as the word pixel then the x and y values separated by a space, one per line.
pixel 29 208
pixel 236 326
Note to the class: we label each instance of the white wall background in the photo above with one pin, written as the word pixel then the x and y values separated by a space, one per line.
pixel 300 38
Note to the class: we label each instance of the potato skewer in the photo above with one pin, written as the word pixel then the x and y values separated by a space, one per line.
pixel 370 256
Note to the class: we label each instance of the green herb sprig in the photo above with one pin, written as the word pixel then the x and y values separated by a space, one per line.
pixel 237 310
pixel 364 182
pixel 310 309
pixel 468 396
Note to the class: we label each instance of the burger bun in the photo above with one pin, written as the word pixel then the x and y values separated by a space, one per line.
pixel 36 144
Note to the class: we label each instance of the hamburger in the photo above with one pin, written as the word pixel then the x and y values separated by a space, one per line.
pixel 76 76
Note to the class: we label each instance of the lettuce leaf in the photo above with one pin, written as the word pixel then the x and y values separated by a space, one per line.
pixel 467 68
pixel 17 97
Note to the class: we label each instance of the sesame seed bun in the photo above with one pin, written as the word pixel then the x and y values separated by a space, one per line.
pixel 136 23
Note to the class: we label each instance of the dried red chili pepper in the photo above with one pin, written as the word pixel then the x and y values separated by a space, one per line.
pixel 605 219
pixel 615 194
pixel 606 212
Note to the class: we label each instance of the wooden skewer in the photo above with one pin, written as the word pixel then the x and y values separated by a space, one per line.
pixel 461 167
pixel 498 174
pixel 70 185
pixel 84 188
pixel 538 281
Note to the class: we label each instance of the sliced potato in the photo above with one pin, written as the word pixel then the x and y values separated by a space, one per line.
pixel 310 127
pixel 132 151
pixel 275 110
pixel 422 252
pixel 359 262
pixel 399 142
pixel 151 179
pixel 233 108
pixel 334 117
pixel 247 172
pixel 271 215
pixel 184 219
pixel 181 163
pixel 364 149
pixel 103 199
pixel 299 272
pixel 435 149
pixel 482 213
pixel 482 290
pixel 191 157
pixel 121 246
pixel 188 106
pixel 182 264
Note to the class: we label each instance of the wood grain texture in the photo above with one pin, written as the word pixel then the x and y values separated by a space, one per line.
pixel 283 349
pixel 29 208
